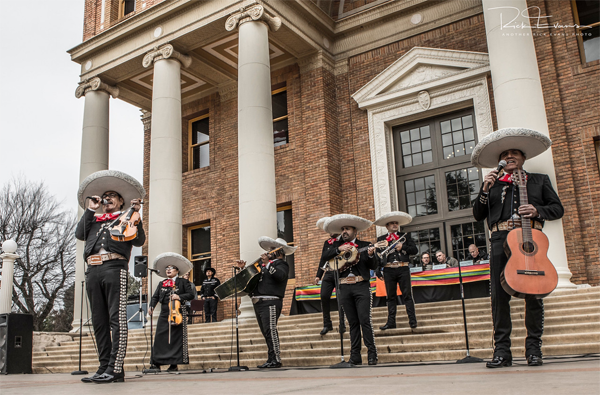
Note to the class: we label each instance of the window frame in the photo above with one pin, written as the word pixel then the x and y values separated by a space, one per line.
pixel 286 116
pixel 203 224
pixel 192 146
pixel 581 29
pixel 284 207
pixel 122 9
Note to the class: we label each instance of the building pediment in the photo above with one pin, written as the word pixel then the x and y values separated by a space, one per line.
pixel 421 69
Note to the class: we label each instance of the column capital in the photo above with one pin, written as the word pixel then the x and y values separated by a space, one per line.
pixel 146 119
pixel 166 52
pixel 95 84
pixel 254 12
pixel 9 256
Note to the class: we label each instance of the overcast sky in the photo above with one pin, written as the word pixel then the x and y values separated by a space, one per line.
pixel 41 120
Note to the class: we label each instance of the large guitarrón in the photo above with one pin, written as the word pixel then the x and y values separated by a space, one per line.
pixel 246 281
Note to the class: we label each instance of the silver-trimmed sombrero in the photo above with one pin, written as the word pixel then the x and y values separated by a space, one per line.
pixel 321 222
pixel 110 180
pixel 400 216
pixel 488 150
pixel 267 243
pixel 335 223
pixel 171 259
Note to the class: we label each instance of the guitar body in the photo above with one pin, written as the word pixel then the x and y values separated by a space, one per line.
pixel 344 259
pixel 246 281
pixel 528 274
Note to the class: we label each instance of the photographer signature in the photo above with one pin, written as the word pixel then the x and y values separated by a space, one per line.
pixel 538 23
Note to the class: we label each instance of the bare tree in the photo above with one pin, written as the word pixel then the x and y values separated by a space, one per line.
pixel 45 234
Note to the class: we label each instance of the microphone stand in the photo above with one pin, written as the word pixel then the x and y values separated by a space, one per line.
pixel 237 368
pixel 468 358
pixel 336 276
pixel 152 368
pixel 78 372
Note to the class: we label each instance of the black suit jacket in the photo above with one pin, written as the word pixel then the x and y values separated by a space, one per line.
pixel 273 280
pixel 364 265
pixel 326 247
pixel 408 248
pixel 183 288
pixel 88 230
pixel 540 194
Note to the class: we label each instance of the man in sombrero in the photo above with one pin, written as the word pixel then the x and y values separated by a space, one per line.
pixel 106 193
pixel 325 275
pixel 394 267
pixel 267 297
pixel 355 290
pixel 499 203
pixel 207 293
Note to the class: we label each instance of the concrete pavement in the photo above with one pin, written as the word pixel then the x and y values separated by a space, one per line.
pixel 559 375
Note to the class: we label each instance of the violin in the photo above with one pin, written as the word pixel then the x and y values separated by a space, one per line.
pixel 175 317
pixel 126 225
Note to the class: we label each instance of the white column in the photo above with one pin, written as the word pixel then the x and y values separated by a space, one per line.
pixel 94 157
pixel 165 214
pixel 256 156
pixel 8 269
pixel 519 99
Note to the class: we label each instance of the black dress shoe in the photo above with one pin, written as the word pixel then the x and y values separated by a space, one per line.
pixel 173 368
pixel 106 378
pixel 325 330
pixel 534 360
pixel 413 325
pixel 355 362
pixel 387 326
pixel 265 365
pixel 372 361
pixel 499 362
pixel 274 365
pixel 89 379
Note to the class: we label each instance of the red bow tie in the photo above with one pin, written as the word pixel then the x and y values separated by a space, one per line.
pixel 351 244
pixel 508 178
pixel 332 240
pixel 392 237
pixel 264 264
pixel 106 217
pixel 168 283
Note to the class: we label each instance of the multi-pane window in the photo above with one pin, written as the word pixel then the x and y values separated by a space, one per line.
pixel 587 15
pixel 462 187
pixel 280 116
pixel 199 146
pixel 416 146
pixel 427 240
pixel 458 136
pixel 199 251
pixel 285 230
pixel 126 7
pixel 420 196
pixel 465 234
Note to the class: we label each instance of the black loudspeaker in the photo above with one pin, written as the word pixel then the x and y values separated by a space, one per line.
pixel 16 343
pixel 141 266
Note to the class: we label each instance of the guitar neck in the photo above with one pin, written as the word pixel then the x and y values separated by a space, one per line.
pixel 524 199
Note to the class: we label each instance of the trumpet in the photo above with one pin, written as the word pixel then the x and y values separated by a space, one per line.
pixel 386 252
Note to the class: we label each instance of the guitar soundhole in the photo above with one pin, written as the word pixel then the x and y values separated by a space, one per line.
pixel 528 247
pixel 347 255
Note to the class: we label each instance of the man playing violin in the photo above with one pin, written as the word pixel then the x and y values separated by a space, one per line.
pixel 394 268
pixel 106 281
pixel 267 297
pixel 499 203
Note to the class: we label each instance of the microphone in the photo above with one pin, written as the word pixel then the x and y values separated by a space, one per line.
pixel 501 165
pixel 96 200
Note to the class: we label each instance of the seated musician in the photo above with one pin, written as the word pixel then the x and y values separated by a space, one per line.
pixel 355 292
pixel 499 203
pixel 171 346
pixel 268 295
pixel 476 255
pixel 447 260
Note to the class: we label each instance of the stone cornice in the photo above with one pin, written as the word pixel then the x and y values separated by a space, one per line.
pixel 146 119
pixel 314 61
pixel 254 12
pixel 166 52
pixel 95 84
pixel 228 91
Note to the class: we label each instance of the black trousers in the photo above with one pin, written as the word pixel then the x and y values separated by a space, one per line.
pixel 327 287
pixel 267 315
pixel 401 276
pixel 356 301
pixel 107 290
pixel 534 308
pixel 210 310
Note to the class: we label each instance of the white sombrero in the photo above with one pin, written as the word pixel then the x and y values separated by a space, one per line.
pixel 487 152
pixel 335 223
pixel 399 216
pixel 321 222
pixel 110 180
pixel 267 244
pixel 171 259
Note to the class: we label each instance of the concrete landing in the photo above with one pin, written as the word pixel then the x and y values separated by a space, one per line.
pixel 559 375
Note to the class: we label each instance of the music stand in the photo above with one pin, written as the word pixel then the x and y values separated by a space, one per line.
pixel 237 368
pixel 468 358
pixel 336 276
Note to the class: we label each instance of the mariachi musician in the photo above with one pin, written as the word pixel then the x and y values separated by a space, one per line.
pixel 394 266
pixel 171 344
pixel 267 297
pixel 107 260
pixel 499 203
pixel 325 275
pixel 355 290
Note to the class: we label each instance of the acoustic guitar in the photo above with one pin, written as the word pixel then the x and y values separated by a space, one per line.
pixel 528 274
